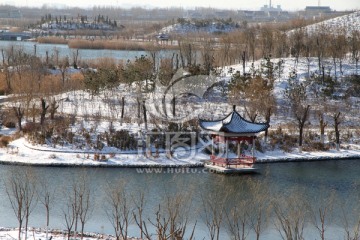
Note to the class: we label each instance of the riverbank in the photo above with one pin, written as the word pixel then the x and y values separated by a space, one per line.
pixel 20 152
pixel 115 44
pixel 55 234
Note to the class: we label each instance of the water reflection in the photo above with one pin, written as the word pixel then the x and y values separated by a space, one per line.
pixel 312 181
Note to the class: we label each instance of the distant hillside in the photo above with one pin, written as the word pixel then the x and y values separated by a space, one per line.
pixel 350 22
pixel 201 25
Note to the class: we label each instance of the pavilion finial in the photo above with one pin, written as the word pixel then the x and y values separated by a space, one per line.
pixel 234 108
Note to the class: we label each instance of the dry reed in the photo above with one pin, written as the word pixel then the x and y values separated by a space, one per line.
pixel 52 40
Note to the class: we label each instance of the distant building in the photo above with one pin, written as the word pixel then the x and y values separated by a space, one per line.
pixel 13 36
pixel 10 13
pixel 266 14
pixel 317 9
pixel 313 12
pixel 269 8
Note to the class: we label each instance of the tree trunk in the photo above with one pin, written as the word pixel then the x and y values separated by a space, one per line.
pixel 44 108
pixel 145 117
pixel 20 226
pixel 138 110
pixel 122 110
pixel 322 124
pixel 19 113
pixel 47 222
pixel 337 132
pixel 243 58
pixel 26 224
pixel 301 129
pixel 174 107
pixel 337 136
pixel 301 124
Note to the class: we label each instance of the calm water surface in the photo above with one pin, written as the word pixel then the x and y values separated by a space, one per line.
pixel 84 54
pixel 310 178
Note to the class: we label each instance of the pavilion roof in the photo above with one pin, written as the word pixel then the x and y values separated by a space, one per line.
pixel 233 123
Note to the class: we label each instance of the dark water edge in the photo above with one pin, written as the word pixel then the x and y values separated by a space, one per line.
pixel 311 179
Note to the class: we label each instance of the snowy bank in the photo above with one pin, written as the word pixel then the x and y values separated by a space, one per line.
pixel 20 152
pixel 40 234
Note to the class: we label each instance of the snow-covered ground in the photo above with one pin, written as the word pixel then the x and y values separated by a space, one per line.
pixel 350 22
pixel 83 104
pixel 22 152
pixel 89 111
pixel 192 28
pixel 40 234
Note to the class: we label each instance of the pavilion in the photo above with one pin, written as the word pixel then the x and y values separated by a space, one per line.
pixel 232 128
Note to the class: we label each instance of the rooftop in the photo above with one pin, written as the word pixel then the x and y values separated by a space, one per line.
pixel 233 123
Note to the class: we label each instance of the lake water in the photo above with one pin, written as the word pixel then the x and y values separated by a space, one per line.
pixel 311 179
pixel 64 50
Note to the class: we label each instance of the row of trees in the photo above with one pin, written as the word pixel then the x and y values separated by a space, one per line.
pixel 244 212
pixel 277 42
pixel 253 91
pixel 318 97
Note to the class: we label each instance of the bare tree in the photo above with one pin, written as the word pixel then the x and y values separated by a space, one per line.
pixel 172 216
pixel 138 212
pixel 85 204
pixel 250 36
pixel 75 58
pixel 63 67
pixel 78 205
pixel 354 42
pixel 53 108
pixel 338 48
pixel 119 210
pixel 321 211
pixel 321 43
pixel 323 124
pixel 20 189
pixel 214 213
pixel 237 220
pixel 8 73
pixel 260 209
pixel 267 41
pixel 69 213
pixel 46 196
pixel 19 114
pixel 44 109
pixel 291 215
pixel 296 94
pixel 350 218
pixel 337 121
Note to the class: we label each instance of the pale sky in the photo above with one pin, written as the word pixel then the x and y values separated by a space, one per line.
pixel 223 4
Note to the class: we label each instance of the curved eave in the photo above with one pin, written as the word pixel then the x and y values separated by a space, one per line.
pixel 227 134
pixel 219 126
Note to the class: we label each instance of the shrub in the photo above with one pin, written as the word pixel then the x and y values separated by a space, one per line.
pixel 316 146
pixel 354 88
pixel 4 141
pixel 9 124
pixel 282 140
pixel 258 146
pixel 31 127
pixel 120 139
